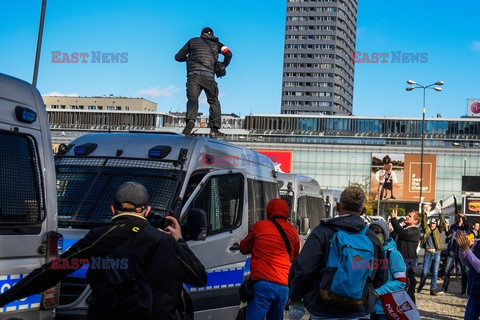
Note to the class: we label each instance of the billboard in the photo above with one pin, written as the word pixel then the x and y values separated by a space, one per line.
pixel 472 205
pixel 281 158
pixel 398 177
pixel 411 187
pixel 473 108
pixel 387 176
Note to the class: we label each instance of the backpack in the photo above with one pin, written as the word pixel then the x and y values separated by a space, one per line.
pixel 122 292
pixel 348 269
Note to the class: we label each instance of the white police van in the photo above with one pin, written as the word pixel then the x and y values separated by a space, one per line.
pixel 305 200
pixel 216 189
pixel 28 206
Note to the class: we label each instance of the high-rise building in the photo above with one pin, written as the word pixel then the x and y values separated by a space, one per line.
pixel 317 64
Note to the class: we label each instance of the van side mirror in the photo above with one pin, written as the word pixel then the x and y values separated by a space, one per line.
pixel 196 224
pixel 304 225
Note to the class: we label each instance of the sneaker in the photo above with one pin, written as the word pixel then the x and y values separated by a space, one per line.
pixel 188 128
pixel 215 133
pixel 441 291
pixel 420 287
pixel 433 293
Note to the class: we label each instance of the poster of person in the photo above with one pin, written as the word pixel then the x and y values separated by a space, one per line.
pixel 387 176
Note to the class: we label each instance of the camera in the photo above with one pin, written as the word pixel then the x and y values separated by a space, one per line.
pixel 158 220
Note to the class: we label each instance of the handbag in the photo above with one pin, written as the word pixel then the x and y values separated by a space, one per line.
pixel 398 305
pixel 246 290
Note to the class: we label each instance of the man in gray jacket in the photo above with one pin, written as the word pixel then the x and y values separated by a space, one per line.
pixel 201 54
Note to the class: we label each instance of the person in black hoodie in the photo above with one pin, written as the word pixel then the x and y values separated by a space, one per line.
pixel 407 243
pixel 168 260
pixel 307 269
pixel 201 54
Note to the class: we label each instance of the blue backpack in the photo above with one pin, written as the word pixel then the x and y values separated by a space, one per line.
pixel 348 269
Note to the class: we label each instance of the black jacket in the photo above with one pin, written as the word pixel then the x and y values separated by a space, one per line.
pixel 407 242
pixel 171 264
pixel 305 273
pixel 201 53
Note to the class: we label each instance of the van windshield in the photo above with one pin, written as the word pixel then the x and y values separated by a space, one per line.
pixel 85 187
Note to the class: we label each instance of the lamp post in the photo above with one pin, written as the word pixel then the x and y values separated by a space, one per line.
pixel 464 146
pixel 416 86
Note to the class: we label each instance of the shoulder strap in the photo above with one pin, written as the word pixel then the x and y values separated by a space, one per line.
pixel 211 49
pixel 284 236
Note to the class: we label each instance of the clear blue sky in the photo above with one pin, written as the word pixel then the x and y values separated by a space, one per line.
pixel 151 32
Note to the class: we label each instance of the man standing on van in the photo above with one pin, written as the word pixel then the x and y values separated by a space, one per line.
pixel 311 273
pixel 201 54
pixel 149 266
pixel 273 244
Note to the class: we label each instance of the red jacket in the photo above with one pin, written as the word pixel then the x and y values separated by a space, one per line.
pixel 270 260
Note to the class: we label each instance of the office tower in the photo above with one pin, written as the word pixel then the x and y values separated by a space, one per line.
pixel 317 64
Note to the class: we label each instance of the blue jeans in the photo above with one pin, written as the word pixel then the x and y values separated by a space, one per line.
pixel 269 300
pixel 472 311
pixel 429 260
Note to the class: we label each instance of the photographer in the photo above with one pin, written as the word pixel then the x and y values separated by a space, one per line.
pixel 158 262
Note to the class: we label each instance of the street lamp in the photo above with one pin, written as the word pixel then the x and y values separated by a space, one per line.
pixel 416 86
pixel 464 156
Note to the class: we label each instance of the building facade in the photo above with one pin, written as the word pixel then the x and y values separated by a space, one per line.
pixel 110 103
pixel 318 68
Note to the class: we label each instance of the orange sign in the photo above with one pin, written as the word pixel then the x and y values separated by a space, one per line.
pixel 281 158
pixel 411 186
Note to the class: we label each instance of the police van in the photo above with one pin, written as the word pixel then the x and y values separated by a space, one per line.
pixel 28 206
pixel 216 189
pixel 305 200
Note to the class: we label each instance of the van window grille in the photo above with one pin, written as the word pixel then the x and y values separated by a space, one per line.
pixel 21 183
pixel 86 186
pixel 222 200
pixel 259 195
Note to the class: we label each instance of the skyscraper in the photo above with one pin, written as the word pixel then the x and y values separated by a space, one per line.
pixel 317 64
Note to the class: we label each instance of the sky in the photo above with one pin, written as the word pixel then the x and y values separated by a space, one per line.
pixel 150 33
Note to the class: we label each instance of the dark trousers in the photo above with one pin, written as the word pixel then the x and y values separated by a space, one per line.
pixel 195 84
pixel 452 257
pixel 412 283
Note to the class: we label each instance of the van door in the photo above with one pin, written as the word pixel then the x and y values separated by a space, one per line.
pixel 223 196
pixel 23 214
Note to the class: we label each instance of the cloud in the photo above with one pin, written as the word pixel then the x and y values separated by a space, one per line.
pixel 476 45
pixel 157 92
pixel 59 94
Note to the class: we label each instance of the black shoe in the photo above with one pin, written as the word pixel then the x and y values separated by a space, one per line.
pixel 463 293
pixel 392 197
pixel 420 287
pixel 215 133
pixel 433 293
pixel 188 128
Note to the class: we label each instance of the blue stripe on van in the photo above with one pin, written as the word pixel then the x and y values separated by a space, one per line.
pixel 33 301
pixel 230 277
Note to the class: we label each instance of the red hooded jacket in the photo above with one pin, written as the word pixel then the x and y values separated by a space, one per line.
pixel 270 260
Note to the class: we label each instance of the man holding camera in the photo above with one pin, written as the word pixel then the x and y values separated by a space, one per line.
pixel 130 249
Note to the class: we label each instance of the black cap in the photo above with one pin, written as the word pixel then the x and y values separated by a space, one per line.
pixel 207 30
pixel 132 192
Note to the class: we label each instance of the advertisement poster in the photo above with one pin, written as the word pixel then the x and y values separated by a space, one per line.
pixel 411 188
pixel 282 159
pixel 472 205
pixel 387 176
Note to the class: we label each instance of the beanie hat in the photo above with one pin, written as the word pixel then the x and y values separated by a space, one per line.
pixel 277 208
pixel 207 30
pixel 384 226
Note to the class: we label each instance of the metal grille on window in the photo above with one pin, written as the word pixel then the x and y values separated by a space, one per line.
pixel 21 185
pixel 86 186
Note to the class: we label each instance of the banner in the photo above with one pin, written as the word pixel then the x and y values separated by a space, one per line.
pixel 282 159
pixel 399 306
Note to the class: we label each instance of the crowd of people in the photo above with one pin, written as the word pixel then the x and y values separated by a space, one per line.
pixel 345 270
